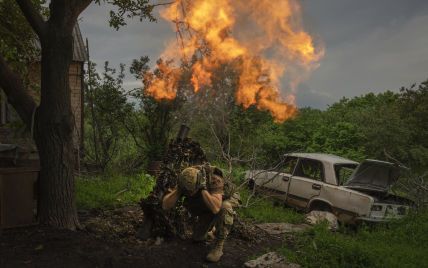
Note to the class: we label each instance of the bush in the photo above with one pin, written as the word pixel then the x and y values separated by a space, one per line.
pixel 114 191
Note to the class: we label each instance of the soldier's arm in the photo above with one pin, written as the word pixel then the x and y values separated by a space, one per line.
pixel 170 199
pixel 213 201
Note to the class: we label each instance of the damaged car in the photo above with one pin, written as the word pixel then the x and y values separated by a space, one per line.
pixel 352 191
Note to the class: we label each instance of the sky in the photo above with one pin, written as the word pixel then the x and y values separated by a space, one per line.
pixel 371 45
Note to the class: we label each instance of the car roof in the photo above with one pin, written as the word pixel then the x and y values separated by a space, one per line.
pixel 330 158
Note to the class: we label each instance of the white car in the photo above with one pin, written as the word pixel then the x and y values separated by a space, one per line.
pixel 352 191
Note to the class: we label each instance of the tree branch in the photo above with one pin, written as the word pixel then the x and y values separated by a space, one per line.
pixel 83 4
pixel 33 17
pixel 17 96
pixel 79 6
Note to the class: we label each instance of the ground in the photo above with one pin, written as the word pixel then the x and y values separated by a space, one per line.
pixel 107 239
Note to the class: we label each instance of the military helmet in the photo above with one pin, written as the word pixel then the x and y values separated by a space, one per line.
pixel 188 179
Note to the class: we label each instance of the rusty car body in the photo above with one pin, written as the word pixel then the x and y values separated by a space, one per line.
pixel 353 192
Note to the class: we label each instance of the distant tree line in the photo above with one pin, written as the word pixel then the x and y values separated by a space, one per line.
pixel 128 129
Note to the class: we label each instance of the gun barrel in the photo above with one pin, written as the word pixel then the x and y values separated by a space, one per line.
pixel 183 132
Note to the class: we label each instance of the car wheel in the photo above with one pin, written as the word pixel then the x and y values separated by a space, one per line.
pixel 320 206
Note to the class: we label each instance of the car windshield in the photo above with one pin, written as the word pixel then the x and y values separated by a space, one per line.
pixel 343 172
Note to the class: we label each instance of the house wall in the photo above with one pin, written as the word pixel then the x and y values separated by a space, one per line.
pixel 75 79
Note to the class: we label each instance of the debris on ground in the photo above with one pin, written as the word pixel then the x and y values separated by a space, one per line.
pixel 108 240
pixel 271 260
pixel 282 228
pixel 315 217
pixel 114 224
pixel 245 230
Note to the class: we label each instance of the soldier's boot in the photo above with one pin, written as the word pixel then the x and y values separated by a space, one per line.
pixel 215 254
pixel 145 230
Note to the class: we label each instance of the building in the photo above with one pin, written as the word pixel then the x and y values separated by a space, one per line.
pixel 12 130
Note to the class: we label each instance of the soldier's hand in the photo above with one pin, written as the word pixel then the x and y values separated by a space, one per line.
pixel 202 183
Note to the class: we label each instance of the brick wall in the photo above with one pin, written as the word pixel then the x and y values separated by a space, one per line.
pixel 75 80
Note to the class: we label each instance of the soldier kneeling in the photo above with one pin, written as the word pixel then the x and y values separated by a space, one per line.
pixel 205 199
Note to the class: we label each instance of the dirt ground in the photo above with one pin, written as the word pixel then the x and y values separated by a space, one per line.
pixel 107 239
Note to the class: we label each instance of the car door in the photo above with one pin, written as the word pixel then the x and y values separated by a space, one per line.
pixel 306 182
pixel 281 182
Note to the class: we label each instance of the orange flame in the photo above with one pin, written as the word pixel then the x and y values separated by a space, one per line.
pixel 270 46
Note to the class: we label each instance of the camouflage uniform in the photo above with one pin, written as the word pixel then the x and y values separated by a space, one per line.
pixel 206 220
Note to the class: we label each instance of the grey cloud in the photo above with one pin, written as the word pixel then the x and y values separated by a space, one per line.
pixel 339 21
pixel 307 97
pixel 130 42
pixel 385 59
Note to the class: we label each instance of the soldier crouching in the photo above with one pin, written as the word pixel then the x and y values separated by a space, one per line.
pixel 205 199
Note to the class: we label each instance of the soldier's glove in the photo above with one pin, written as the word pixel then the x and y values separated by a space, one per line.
pixel 202 182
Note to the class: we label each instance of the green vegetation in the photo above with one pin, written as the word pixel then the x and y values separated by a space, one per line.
pixel 236 139
pixel 264 210
pixel 402 243
pixel 112 191
pixel 367 126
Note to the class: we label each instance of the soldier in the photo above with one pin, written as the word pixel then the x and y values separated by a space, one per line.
pixel 207 201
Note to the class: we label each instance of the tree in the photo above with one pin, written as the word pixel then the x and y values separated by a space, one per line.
pixel 52 120
pixel 108 109
pixel 152 122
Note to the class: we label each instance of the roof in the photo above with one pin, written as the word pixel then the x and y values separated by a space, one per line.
pixel 79 49
pixel 331 158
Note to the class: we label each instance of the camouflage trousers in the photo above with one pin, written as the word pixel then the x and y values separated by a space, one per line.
pixel 222 221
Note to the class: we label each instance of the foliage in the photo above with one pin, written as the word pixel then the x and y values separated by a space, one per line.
pixel 369 126
pixel 128 9
pixel 53 118
pixel 111 191
pixel 397 244
pixel 17 40
pixel 151 124
pixel 107 107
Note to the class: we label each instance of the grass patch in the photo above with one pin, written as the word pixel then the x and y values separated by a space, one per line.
pixel 111 191
pixel 401 243
pixel 264 210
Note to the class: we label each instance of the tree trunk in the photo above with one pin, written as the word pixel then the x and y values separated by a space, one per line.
pixel 54 131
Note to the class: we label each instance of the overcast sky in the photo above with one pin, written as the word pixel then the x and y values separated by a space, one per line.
pixel 371 45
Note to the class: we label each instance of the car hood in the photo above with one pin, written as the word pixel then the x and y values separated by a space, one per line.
pixel 374 175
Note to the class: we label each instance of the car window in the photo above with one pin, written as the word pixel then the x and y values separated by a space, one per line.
pixel 343 172
pixel 289 165
pixel 309 168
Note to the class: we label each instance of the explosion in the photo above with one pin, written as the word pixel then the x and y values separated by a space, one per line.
pixel 264 37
